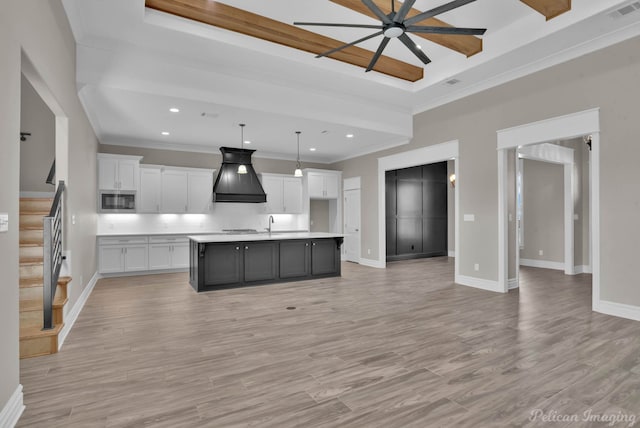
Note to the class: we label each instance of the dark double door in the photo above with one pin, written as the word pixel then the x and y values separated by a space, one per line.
pixel 416 212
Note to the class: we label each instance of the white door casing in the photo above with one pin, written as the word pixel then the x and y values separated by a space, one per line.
pixel 352 232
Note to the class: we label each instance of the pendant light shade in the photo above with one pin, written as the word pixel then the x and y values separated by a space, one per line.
pixel 241 168
pixel 298 171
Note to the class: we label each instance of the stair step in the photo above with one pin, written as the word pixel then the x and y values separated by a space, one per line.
pixel 31 261
pixel 35 342
pixel 31 250
pixel 31 271
pixel 31 236
pixel 35 204
pixel 32 312
pixel 31 220
pixel 31 288
pixel 37 305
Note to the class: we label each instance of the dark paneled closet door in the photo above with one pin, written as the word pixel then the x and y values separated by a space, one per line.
pixel 390 211
pixel 416 211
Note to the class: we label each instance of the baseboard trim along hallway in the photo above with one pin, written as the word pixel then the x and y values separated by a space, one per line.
pixel 72 316
pixel 618 310
pixel 13 409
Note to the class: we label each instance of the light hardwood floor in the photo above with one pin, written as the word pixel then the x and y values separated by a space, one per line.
pixel 401 347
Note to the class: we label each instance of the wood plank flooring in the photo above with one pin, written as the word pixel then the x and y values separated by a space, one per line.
pixel 401 347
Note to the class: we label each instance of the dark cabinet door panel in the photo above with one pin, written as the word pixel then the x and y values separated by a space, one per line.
pixel 390 194
pixel 324 257
pixel 435 236
pixel 434 200
pixel 294 259
pixel 222 264
pixel 391 236
pixel 413 173
pixel 409 236
pixel 409 199
pixel 260 261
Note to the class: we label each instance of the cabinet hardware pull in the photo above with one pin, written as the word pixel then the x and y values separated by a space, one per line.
pixel 314 244
pixel 237 248
pixel 306 245
pixel 246 248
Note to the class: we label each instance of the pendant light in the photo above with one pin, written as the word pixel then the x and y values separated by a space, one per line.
pixel 298 171
pixel 241 168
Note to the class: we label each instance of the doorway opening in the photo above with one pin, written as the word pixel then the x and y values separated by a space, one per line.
pixel 443 152
pixel 523 139
pixel 550 199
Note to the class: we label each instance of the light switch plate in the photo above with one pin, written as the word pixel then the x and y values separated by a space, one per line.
pixel 469 217
pixel 4 222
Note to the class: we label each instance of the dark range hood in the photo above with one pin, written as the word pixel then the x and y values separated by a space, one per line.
pixel 233 187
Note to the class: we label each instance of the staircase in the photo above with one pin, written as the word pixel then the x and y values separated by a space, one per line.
pixel 34 341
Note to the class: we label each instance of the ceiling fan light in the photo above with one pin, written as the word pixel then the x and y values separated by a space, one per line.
pixel 394 31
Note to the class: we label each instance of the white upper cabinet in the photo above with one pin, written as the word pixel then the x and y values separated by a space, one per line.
pixel 150 195
pixel 116 172
pixel 292 195
pixel 284 193
pixel 323 185
pixel 199 191
pixel 174 191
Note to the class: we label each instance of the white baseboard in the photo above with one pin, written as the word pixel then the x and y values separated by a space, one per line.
pixel 452 253
pixel 483 284
pixel 37 194
pixel 583 269
pixel 618 310
pixel 545 264
pixel 71 317
pixel 373 263
pixel 513 283
pixel 141 273
pixel 11 412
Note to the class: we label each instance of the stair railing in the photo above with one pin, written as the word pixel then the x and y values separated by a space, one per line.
pixel 52 255
pixel 52 174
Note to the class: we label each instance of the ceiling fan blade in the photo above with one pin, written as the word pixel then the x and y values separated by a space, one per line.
pixel 436 11
pixel 326 24
pixel 383 44
pixel 375 9
pixel 327 53
pixel 414 48
pixel 447 30
pixel 402 13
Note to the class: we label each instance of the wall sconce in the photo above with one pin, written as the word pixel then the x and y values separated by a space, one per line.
pixel 452 180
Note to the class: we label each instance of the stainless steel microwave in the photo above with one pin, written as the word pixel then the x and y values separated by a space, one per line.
pixel 117 202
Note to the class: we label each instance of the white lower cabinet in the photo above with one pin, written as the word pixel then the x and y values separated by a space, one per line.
pixel 142 253
pixel 123 254
pixel 168 253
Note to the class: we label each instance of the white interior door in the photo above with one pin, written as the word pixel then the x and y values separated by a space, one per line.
pixel 352 225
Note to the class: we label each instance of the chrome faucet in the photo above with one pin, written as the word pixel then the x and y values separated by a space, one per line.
pixel 270 221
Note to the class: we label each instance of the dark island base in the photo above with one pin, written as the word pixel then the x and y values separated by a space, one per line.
pixel 215 266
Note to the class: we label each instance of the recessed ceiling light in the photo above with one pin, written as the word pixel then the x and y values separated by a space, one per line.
pixel 312 149
pixel 165 133
pixel 247 142
pixel 174 110
pixel 349 135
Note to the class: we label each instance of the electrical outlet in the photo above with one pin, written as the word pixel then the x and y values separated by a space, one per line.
pixel 540 252
pixel 73 221
pixel 369 251
pixel 476 267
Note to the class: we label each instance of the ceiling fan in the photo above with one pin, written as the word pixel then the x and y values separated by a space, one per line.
pixel 397 25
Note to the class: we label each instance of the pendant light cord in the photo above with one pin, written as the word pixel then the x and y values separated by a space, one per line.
pixel 298 158
pixel 242 135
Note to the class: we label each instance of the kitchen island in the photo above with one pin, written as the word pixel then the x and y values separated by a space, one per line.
pixel 231 260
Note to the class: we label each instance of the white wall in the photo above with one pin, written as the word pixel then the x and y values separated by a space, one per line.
pixel 606 79
pixel 38 151
pixel 40 30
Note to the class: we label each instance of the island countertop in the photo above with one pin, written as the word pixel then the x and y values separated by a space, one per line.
pixel 262 236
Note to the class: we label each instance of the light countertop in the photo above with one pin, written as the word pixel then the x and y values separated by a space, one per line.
pixel 274 236
pixel 208 233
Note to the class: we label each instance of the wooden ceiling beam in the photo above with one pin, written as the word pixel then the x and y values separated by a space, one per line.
pixel 549 8
pixel 466 45
pixel 240 21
